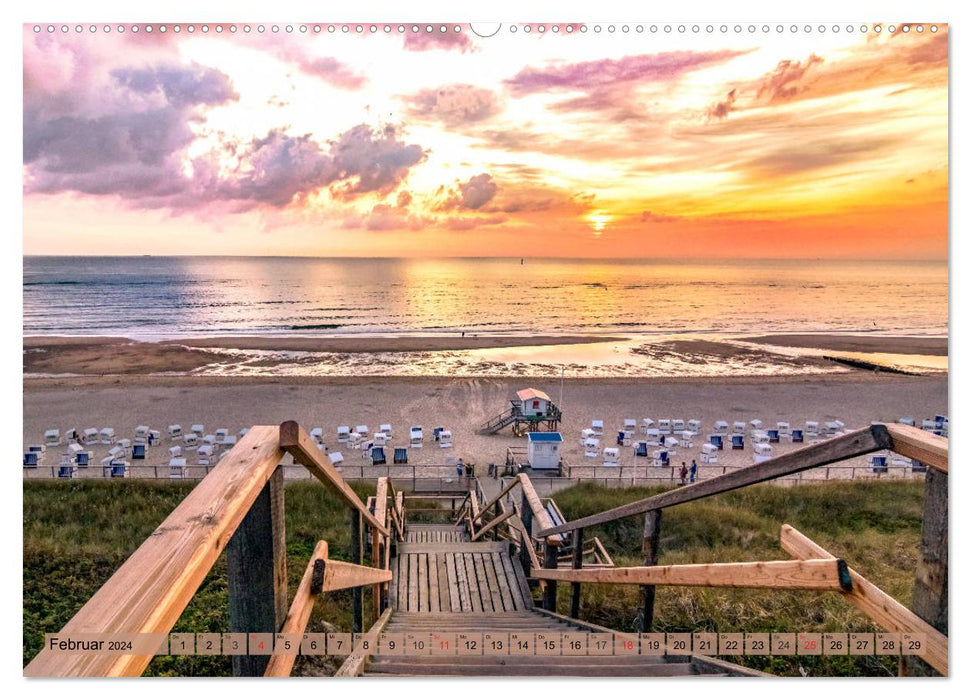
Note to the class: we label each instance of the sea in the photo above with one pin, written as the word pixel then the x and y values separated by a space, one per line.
pixel 641 301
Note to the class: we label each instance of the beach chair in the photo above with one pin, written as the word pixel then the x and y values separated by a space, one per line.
pixel 694 425
pixel 670 444
pixel 597 426
pixel 401 455
pixel 436 431
pixel 641 449
pixel 154 437
pixel 417 437
pixel 586 434
pixel 118 469
pixel 611 457
pixel 386 429
pixel 141 434
pixel 677 426
pixel 445 439
pixel 773 435
pixel 654 436
pixel 82 459
pixel 210 439
pixel 664 426
pixel 116 453
pixel 783 427
pixel 175 432
pixel 229 442
pixel 336 458
pixel 317 434
pixel 812 429
pixel 39 449
pixel 191 441
pixel 661 458
pixel 204 455
pixel 646 424
pixel 52 437
pixel 763 452
pixel 796 435
pixel 175 451
pixel 591 447
pixel 221 434
pixel 30 459
pixel 354 440
pixel 760 437
pixel 343 434
pixel 362 430
pixel 878 463
pixel 66 471
pixel 124 444
pixel 380 439
pixel 108 436
pixel 738 442
pixel 907 420
pixel 899 460
pixel 721 427
pixel 378 456
pixel 71 436
pixel 717 441
pixel 198 429
pixel 242 432
pixel 138 452
pixel 620 438
pixel 177 467
pixel 630 424
pixel 685 439
pixel 90 436
pixel 917 467
pixel 709 453
pixel 738 427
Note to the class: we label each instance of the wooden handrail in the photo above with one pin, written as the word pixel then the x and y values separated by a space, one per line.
pixel 877 605
pixel 299 614
pixel 152 588
pixel 492 524
pixel 810 574
pixel 919 444
pixel 298 443
pixel 354 664
pixel 853 444
pixel 506 489
pixel 540 515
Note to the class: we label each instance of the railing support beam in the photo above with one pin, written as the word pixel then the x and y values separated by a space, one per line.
pixel 357 557
pixel 652 539
pixel 577 564
pixel 256 562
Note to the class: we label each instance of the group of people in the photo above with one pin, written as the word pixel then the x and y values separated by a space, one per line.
pixel 463 469
pixel 684 473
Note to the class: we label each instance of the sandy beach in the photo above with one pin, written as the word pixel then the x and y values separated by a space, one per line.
pixel 462 405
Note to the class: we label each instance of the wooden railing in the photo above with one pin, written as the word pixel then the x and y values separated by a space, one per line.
pixel 812 567
pixel 239 508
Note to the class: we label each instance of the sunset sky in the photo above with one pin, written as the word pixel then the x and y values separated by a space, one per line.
pixel 602 144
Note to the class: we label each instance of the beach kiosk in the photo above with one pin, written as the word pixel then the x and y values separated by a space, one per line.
pixel 543 450
pixel 531 411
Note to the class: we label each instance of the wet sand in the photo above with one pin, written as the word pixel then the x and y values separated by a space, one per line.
pixel 897 345
pixel 388 344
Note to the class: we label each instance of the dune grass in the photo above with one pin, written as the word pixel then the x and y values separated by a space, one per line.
pixel 77 534
pixel 874 526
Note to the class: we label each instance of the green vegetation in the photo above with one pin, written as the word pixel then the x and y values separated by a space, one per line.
pixel 874 526
pixel 77 534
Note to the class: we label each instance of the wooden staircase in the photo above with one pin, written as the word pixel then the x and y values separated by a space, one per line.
pixel 443 583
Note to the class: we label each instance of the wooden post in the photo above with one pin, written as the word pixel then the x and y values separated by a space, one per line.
pixel 930 588
pixel 577 564
pixel 526 515
pixel 550 561
pixel 652 537
pixel 357 557
pixel 256 562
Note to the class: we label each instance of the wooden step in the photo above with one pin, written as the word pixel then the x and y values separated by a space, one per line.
pixel 538 668
pixel 456 547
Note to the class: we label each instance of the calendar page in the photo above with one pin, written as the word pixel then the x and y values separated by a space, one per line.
pixel 381 349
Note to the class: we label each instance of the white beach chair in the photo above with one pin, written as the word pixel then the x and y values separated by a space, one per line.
pixel 721 427
pixel 907 420
pixel 597 426
pixel 124 444
pixel 90 436
pixel 242 433
pixel 221 434
pixel 191 441
pixel 611 456
pixel 783 427
pixel 664 426
pixel 661 458
pixel 354 440
pixel 141 435
pixel 709 454
pixel 685 440
pixel 154 437
pixel 738 427
pixel 812 429
pixel 763 452
pixel 71 435
pixel 586 434
pixel 198 429
pixel 175 432
pixel 928 425
pixel 646 424
pixel 52 437
pixel 755 424
pixel 362 430
pixel 336 458
pixel 899 460
pixel 591 447
pixel 677 426
pixel 380 439
pixel 108 436
pixel 630 424
pixel 653 436
pixel 229 442
pixel 204 455
pixel 343 434
pixel 177 468
pixel 417 437
pixel 317 434
pixel 386 429
pixel 445 439
pixel 175 451
pixel 760 437
pixel 694 425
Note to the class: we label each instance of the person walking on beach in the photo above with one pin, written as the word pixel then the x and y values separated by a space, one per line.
pixel 694 470
pixel 459 467
pixel 683 473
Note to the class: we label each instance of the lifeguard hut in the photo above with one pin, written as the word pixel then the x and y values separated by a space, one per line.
pixel 532 411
